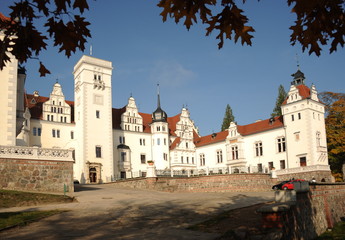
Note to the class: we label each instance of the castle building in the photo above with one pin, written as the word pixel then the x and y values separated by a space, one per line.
pixel 111 143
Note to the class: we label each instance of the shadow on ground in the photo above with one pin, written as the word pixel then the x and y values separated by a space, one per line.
pixel 132 218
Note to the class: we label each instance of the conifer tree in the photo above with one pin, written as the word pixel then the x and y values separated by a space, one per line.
pixel 277 111
pixel 228 117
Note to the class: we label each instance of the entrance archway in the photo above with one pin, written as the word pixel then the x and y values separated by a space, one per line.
pixel 93 175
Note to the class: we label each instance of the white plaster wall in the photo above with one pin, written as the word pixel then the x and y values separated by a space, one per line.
pixel 269 146
pixel 91 130
pixel 163 147
pixel 132 140
pixel 8 103
pixel 210 152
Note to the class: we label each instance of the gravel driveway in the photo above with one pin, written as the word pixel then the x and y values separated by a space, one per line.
pixel 108 212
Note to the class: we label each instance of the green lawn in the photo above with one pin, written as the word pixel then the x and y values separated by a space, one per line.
pixel 338 232
pixel 10 198
pixel 18 199
pixel 9 219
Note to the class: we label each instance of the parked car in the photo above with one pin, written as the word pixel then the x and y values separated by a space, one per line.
pixel 279 185
pixel 286 185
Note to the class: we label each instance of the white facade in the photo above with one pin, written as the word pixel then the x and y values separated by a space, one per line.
pixel 114 143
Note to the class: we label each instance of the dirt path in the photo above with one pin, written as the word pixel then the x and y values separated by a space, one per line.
pixel 108 212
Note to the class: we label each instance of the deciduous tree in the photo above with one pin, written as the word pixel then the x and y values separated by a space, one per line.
pixel 61 19
pixel 277 111
pixel 335 128
pixel 318 23
pixel 228 118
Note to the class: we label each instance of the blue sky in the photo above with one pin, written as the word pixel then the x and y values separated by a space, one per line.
pixel 188 66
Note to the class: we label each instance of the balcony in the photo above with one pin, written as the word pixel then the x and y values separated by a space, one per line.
pixel 237 162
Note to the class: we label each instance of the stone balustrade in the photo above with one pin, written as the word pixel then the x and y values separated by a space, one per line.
pixel 303 169
pixel 36 153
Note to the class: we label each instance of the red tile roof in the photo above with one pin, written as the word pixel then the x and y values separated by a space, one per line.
pixel 147 120
pixel 175 143
pixel 35 108
pixel 212 138
pixel 172 121
pixel 260 126
pixel 35 104
pixel 303 91
pixel 116 115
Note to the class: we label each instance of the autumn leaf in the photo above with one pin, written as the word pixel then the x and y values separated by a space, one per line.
pixel 81 4
pixel 43 70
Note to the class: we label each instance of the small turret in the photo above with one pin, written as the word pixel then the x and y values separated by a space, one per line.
pixel 159 115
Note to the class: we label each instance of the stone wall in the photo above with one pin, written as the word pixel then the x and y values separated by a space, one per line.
pixel 211 183
pixel 36 175
pixel 311 213
pixel 318 175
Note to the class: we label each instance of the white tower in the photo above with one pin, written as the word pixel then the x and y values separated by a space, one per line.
pixel 93 118
pixel 160 137
pixel 305 125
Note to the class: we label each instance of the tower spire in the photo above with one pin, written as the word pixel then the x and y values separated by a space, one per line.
pixel 158 97
pixel 159 115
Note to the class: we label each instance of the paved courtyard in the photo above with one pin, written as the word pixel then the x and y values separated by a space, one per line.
pixel 108 212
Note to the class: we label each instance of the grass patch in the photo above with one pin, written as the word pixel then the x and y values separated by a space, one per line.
pixel 10 219
pixel 338 232
pixel 9 198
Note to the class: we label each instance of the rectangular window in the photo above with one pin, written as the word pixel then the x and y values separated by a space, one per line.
pixel 53 133
pixel 187 159
pixel 303 161
pixel 58 133
pixel 234 151
pixel 97 114
pixel 123 156
pixel 39 131
pixel 281 144
pixel 142 158
pixel 192 160
pixel 98 152
pixel 270 165
pixel 282 164
pixel 72 135
pixel 165 141
pixel 141 141
pixel 219 156
pixel 260 167
pixel 52 118
pixel 292 117
pixel 34 131
pixel 202 159
pixel 165 156
pixel 158 141
pixel 299 115
pixel 181 159
pixel 258 149
pixel 48 117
